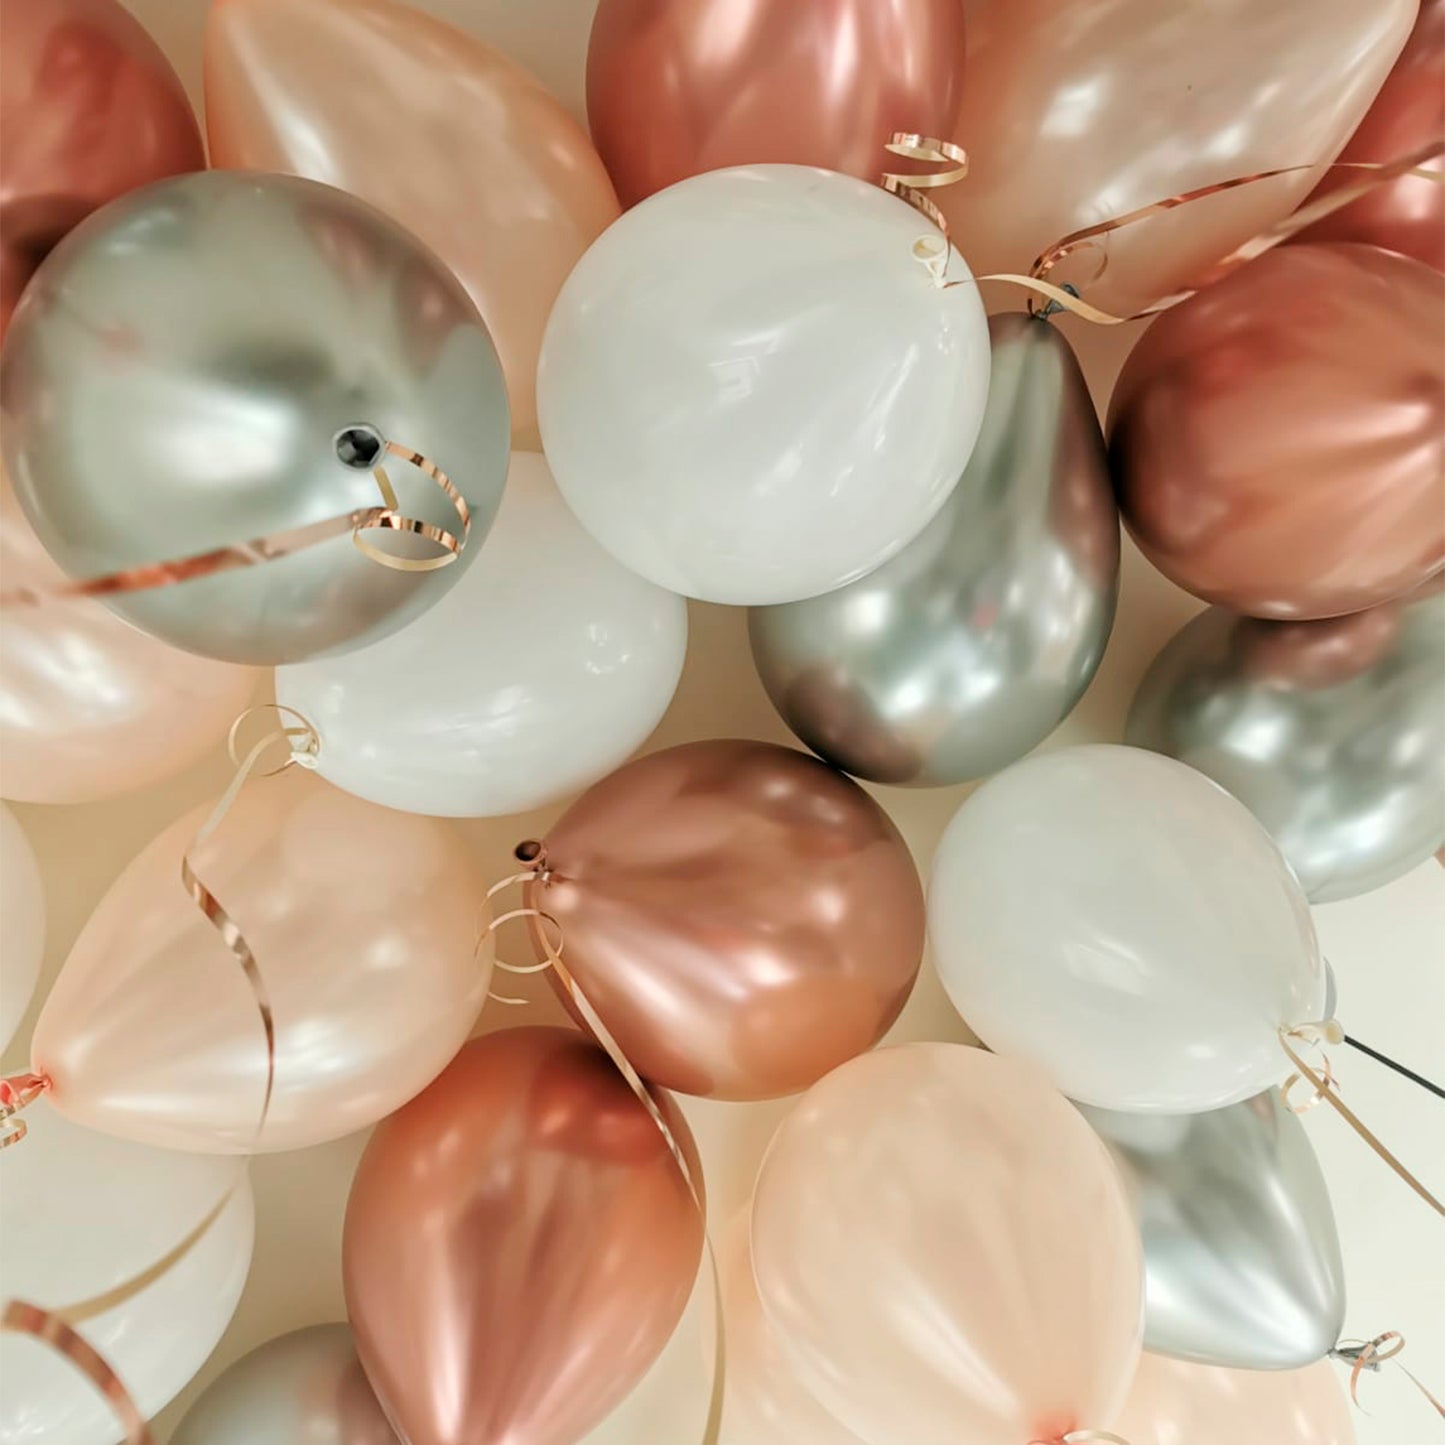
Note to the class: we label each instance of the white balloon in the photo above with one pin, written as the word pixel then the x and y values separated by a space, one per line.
pixel 165 1237
pixel 752 390
pixel 1123 921
pixel 538 673
pixel 22 924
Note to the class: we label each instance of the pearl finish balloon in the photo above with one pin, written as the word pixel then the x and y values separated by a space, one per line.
pixel 22 924
pixel 741 917
pixel 1242 1262
pixel 1119 919
pixel 1331 733
pixel 519 1245
pixel 305 1388
pixel 1278 441
pixel 973 643
pixel 176 379
pixel 1077 111
pixel 752 391
pixel 366 929
pixel 676 87
pixel 89 109
pixel 544 669
pixel 446 135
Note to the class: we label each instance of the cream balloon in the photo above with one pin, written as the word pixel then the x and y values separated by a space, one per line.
pixel 160 1242
pixel 1120 919
pixel 22 924
pixel 751 390
pixel 537 674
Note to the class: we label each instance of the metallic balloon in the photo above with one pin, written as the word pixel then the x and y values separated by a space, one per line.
pixel 1332 733
pixel 305 1388
pixel 971 645
pixel 1241 1260
pixel 178 377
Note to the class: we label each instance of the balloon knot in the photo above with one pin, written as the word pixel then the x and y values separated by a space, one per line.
pixel 16 1093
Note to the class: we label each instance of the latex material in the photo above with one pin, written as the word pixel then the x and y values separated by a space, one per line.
pixel 366 927
pixel 902 1285
pixel 175 379
pixel 742 917
pixel 542 671
pixel 975 641
pixel 1278 441
pixel 87 1220
pixel 89 109
pixel 1119 919
pixel 1126 102
pixel 22 924
pixel 1241 1259
pixel 303 1388
pixel 447 135
pixel 751 390
pixel 1332 733
pixel 519 1245
pixel 676 87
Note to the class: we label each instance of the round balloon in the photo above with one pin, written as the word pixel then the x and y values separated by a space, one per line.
pixel 1119 919
pixel 1332 733
pixel 22 924
pixel 210 363
pixel 1278 440
pixel 741 917
pixel 542 670
pixel 751 388
pixel 973 643
pixel 366 927
pixel 918 1248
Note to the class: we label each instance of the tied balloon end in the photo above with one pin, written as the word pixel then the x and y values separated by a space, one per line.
pixel 17 1093
pixel 932 251
pixel 1362 1355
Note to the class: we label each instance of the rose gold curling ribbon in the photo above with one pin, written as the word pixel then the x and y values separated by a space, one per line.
pixel 1363 1355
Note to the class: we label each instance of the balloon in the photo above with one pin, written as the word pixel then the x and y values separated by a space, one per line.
pixel 975 641
pixel 445 134
pixel 919 1245
pixel 182 375
pixel 741 917
pixel 305 1388
pixel 1241 1260
pixel 89 109
pixel 752 391
pixel 1408 214
pixel 519 1245
pixel 22 924
pixel 155 1244
pixel 676 87
pixel 1078 111
pixel 1331 733
pixel 366 929
pixel 1278 441
pixel 1173 1403
pixel 542 671
pixel 1119 919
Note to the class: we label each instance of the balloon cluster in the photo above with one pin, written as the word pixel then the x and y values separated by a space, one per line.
pixel 444 410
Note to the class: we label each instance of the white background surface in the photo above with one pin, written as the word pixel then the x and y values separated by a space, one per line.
pixel 1388 949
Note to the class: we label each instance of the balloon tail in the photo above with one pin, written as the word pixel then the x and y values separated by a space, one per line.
pixel 1363 1355
pixel 16 1093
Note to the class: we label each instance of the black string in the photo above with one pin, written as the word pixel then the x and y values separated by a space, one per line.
pixel 1390 1063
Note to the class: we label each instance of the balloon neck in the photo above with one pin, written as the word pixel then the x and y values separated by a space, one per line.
pixel 532 855
pixel 16 1092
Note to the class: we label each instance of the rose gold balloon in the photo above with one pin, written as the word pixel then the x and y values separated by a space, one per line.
pixel 443 133
pixel 89 705
pixel 519 1245
pixel 365 927
pixel 1405 215
pixel 742 917
pixel 1278 441
pixel 675 87
pixel 89 109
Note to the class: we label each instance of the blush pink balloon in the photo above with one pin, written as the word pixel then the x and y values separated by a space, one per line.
pixel 367 926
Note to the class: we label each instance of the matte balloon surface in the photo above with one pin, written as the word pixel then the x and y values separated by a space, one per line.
pixel 176 379
pixel 973 643
pixel 22 924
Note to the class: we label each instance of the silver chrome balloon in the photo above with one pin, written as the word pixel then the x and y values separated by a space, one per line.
pixel 305 1388
pixel 191 367
pixel 1241 1259
pixel 972 644
pixel 1332 733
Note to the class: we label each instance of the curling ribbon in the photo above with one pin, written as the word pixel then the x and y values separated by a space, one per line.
pixel 1363 1355
pixel 15 1094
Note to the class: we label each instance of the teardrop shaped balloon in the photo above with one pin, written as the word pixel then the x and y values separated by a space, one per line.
pixel 1242 1262
pixel 972 644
